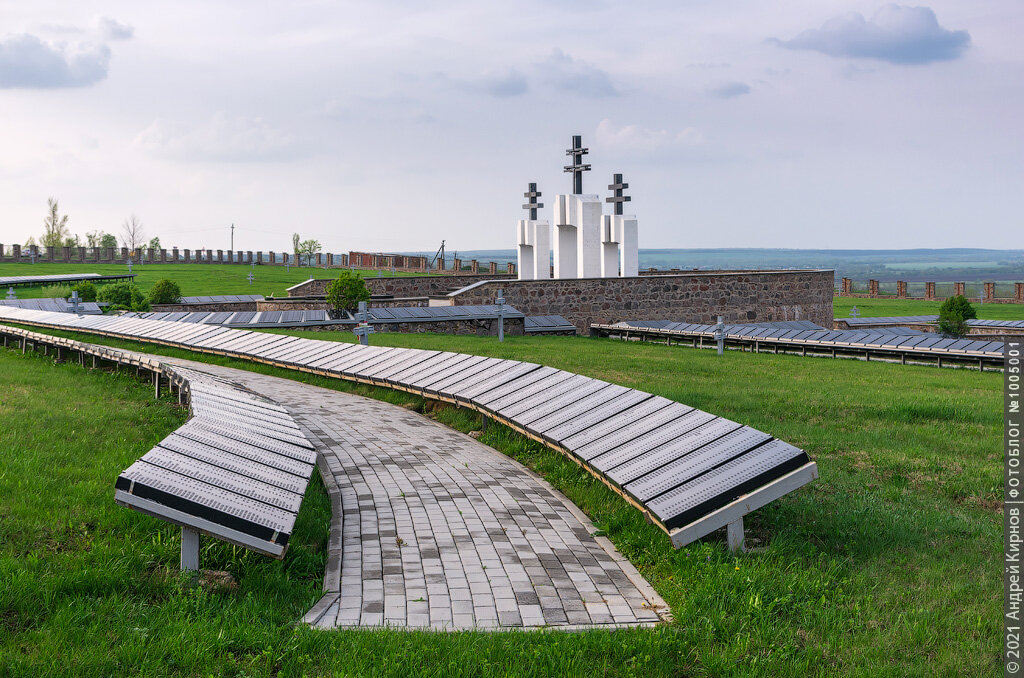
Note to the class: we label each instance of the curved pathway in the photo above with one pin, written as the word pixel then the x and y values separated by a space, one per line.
pixel 433 529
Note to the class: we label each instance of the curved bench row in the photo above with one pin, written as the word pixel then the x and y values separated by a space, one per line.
pixel 689 471
pixel 236 470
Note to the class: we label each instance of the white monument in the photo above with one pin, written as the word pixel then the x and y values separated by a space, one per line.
pixel 534 239
pixel 586 243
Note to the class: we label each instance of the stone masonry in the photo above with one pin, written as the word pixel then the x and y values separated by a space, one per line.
pixel 748 296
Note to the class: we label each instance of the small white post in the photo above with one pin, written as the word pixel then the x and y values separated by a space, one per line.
pixel 501 315
pixel 734 536
pixel 720 335
pixel 190 549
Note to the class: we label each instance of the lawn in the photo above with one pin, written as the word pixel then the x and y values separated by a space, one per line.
pixel 883 307
pixel 886 565
pixel 194 279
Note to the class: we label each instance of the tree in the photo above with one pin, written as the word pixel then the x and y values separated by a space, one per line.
pixel 92 238
pixel 154 243
pixel 108 240
pixel 86 291
pixel 307 250
pixel 55 226
pixel 345 293
pixel 295 245
pixel 953 316
pixel 132 233
pixel 123 296
pixel 72 241
pixel 165 292
pixel 31 242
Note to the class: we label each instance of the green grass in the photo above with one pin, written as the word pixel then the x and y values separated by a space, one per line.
pixel 887 565
pixel 194 279
pixel 883 307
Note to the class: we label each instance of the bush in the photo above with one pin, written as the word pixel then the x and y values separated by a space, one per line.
pixel 123 296
pixel 165 292
pixel 345 293
pixel 55 291
pixel 86 291
pixel 953 316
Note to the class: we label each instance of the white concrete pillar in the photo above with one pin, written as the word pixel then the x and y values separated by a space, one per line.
pixel 586 215
pixel 609 247
pixel 629 253
pixel 541 250
pixel 526 249
pixel 564 245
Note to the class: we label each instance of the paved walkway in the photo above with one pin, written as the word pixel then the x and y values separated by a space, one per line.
pixel 433 529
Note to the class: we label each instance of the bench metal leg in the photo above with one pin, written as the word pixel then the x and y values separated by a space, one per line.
pixel 485 421
pixel 734 536
pixel 156 385
pixel 189 549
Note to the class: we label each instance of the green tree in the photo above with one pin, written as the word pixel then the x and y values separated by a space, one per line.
pixel 345 293
pixel 86 291
pixel 308 249
pixel 154 243
pixel 165 292
pixel 953 316
pixel 123 296
pixel 108 240
pixel 55 226
pixel 296 240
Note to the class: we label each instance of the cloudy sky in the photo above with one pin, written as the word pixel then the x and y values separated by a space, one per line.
pixel 389 125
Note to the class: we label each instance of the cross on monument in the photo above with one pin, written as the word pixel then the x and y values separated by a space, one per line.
pixel 250 277
pixel 577 167
pixel 363 328
pixel 533 204
pixel 10 293
pixel 854 312
pixel 618 198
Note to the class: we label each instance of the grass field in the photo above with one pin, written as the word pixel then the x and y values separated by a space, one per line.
pixel 882 307
pixel 194 279
pixel 887 565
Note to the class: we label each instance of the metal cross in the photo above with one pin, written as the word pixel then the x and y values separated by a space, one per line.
pixel 618 197
pixel 74 301
pixel 10 293
pixel 129 265
pixel 577 167
pixel 854 312
pixel 720 335
pixel 532 202
pixel 250 277
pixel 501 314
pixel 363 328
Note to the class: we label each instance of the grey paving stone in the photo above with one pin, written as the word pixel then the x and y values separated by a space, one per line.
pixel 433 529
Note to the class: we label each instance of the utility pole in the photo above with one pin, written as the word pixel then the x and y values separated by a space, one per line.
pixel 232 242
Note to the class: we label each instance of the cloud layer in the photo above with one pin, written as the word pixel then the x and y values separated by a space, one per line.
pixel 897 34
pixel 223 138
pixel 26 61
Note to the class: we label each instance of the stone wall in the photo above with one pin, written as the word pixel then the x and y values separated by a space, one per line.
pixel 482 328
pixel 409 286
pixel 314 304
pixel 748 296
pixel 231 306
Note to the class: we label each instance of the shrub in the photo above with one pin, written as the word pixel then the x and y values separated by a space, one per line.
pixel 345 293
pixel 165 292
pixel 86 291
pixel 123 296
pixel 953 316
pixel 55 291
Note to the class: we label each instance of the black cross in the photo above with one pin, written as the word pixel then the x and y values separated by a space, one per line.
pixel 618 198
pixel 577 167
pixel 532 204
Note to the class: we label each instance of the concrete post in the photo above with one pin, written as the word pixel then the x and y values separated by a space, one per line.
pixel 847 288
pixel 493 268
pixel 511 268
pixel 16 251
pixel 873 288
pixel 929 291
pixel 456 265
pixel 189 549
pixel 959 289
pixel 901 289
pixel 990 292
pixel 1018 292
pixel 474 266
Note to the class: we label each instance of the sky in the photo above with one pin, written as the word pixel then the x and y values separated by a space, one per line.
pixel 390 125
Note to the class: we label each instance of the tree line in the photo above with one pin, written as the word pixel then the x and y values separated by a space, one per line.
pixel 56 233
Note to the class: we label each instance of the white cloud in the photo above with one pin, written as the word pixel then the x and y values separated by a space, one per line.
pixel 728 90
pixel 28 62
pixel 566 74
pixel 111 29
pixel 635 138
pixel 222 138
pixel 897 34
